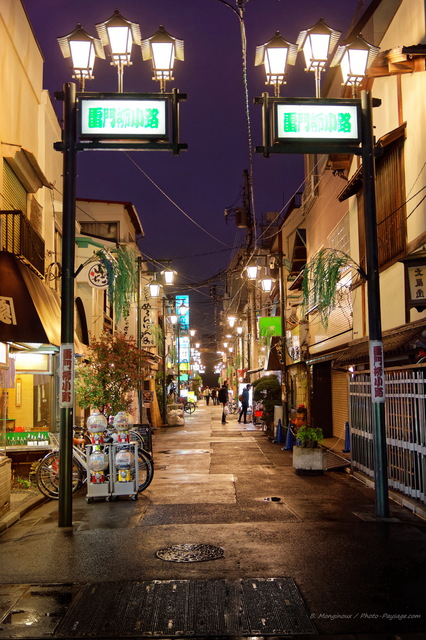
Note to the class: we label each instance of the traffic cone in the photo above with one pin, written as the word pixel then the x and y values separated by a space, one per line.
pixel 279 438
pixel 347 439
pixel 289 439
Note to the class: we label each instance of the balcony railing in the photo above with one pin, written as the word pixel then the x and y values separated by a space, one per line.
pixel 21 239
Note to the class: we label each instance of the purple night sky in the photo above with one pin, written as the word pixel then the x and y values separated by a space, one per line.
pixel 208 177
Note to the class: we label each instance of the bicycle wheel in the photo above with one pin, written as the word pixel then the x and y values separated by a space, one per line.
pixel 135 436
pixel 189 407
pixel 47 475
pixel 145 470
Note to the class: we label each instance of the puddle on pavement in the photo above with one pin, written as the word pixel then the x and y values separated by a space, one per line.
pixel 37 611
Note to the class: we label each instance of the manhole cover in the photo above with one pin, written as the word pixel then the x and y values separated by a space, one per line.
pixel 190 553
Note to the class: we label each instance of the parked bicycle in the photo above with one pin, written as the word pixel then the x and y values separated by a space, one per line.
pixel 233 407
pixel 188 405
pixel 47 473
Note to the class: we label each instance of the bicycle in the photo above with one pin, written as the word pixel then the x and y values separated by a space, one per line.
pixel 233 407
pixel 189 407
pixel 47 472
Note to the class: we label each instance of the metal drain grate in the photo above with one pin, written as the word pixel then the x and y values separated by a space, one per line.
pixel 190 553
pixel 199 608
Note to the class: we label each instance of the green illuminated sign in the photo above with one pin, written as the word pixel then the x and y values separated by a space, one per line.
pixel 302 121
pixel 123 118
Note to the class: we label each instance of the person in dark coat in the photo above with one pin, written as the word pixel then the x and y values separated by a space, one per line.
pixel 223 399
pixel 245 398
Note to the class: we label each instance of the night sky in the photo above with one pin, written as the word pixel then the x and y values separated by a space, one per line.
pixel 208 177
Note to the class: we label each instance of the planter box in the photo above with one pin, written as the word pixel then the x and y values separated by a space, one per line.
pixel 308 461
pixel 5 483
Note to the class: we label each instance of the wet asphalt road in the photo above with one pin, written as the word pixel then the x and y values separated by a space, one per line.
pixel 212 485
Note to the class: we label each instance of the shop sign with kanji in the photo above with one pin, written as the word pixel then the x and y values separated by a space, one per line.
pixel 417 282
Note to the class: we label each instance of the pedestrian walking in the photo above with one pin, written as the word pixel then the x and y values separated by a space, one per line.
pixel 223 399
pixel 206 394
pixel 214 395
pixel 244 399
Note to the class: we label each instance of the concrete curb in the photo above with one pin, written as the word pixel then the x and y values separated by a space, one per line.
pixel 24 506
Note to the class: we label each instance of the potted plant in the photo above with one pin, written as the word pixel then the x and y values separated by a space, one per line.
pixel 308 456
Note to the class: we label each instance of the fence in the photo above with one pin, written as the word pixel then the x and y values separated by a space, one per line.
pixel 405 418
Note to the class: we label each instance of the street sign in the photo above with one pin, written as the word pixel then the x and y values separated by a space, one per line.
pixel 306 125
pixel 320 120
pixel 123 116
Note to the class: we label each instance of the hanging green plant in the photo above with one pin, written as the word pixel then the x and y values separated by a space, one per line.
pixel 119 263
pixel 320 278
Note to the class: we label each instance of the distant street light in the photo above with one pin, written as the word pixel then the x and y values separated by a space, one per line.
pixel 252 271
pixel 163 49
pixel 276 55
pixel 119 34
pixel 82 49
pixel 266 284
pixel 169 276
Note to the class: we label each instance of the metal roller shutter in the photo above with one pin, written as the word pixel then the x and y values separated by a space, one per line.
pixel 340 402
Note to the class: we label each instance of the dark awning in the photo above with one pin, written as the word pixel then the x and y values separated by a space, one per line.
pixel 273 361
pixel 30 311
pixel 401 340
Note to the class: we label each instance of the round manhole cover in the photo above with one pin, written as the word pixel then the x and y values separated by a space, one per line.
pixel 190 553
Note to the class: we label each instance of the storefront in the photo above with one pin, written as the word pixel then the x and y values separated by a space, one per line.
pixel 30 320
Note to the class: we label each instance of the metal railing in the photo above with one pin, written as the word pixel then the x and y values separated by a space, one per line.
pixel 405 415
pixel 19 237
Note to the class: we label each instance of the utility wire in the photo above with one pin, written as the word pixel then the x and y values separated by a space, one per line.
pixel 173 202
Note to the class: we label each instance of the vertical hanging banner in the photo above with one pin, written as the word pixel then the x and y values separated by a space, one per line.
pixel 377 371
pixel 66 376
pixel 147 321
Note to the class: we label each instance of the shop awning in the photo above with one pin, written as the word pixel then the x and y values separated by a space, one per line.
pixel 30 311
pixel 401 340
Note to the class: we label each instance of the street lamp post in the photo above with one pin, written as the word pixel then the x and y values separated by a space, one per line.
pixel 350 56
pixel 374 312
pixel 66 402
pixel 119 34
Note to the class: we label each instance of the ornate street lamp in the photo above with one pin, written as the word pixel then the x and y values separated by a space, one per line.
pixel 231 321
pixel 169 276
pixel 154 289
pixel 82 49
pixel 252 271
pixel 266 284
pixel 317 44
pixel 354 60
pixel 276 55
pixel 119 34
pixel 163 49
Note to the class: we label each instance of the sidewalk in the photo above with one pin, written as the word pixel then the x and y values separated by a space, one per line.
pixel 230 487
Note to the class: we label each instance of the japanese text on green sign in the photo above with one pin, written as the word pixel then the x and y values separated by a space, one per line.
pixel 323 121
pixel 317 122
pixel 123 118
pixel 99 118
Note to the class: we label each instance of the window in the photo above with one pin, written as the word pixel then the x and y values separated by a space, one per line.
pixel 105 230
pixel 390 207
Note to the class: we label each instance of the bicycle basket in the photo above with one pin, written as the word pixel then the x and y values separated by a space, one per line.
pixel 54 440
